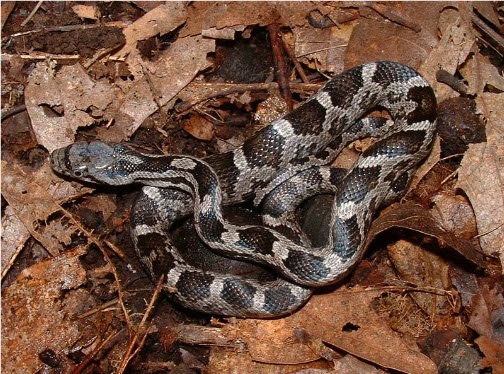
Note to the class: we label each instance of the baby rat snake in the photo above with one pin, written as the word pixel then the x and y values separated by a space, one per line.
pixel 279 164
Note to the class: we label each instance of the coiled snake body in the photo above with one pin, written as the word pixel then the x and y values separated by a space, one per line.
pixel 282 162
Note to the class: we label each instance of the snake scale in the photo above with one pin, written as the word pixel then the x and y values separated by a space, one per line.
pixel 279 164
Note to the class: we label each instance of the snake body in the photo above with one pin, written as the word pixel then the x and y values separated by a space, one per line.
pixel 279 164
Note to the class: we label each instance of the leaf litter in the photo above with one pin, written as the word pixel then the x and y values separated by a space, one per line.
pixel 402 302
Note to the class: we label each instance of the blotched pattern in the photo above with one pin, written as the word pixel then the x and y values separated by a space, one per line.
pixel 281 165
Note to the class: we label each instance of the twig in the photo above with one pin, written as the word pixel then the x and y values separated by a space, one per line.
pixel 99 308
pixel 6 113
pixel 119 288
pixel 294 59
pixel 382 10
pixel 23 24
pixel 90 357
pixel 119 24
pixel 280 67
pixel 488 30
pixel 44 56
pixel 95 241
pixel 488 232
pixel 224 89
pixel 322 50
pixel 141 330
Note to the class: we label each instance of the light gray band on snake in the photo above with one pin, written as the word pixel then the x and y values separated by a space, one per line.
pixel 274 163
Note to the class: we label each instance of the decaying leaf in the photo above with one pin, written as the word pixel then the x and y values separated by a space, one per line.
pixel 34 206
pixel 343 319
pixel 178 66
pixel 199 127
pixel 87 11
pixel 65 103
pixel 416 218
pixel 37 311
pixel 481 176
pixel 158 21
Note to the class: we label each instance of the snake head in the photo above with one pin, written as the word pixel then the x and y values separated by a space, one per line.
pixel 95 162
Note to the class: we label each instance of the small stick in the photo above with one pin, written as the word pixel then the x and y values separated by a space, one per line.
pixel 231 88
pixel 294 59
pixel 23 24
pixel 141 331
pixel 381 9
pixel 280 67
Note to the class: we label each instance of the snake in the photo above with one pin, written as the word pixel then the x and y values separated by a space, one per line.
pixel 275 168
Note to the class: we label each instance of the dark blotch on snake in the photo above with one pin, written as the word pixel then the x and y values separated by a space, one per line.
pixel 194 285
pixel 398 144
pixel 306 266
pixel 238 293
pixel 279 299
pixel 348 238
pixel 257 239
pixel 426 109
pixel 315 115
pixel 352 190
pixel 342 88
pixel 265 150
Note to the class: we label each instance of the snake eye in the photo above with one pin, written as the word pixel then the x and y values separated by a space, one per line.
pixel 79 173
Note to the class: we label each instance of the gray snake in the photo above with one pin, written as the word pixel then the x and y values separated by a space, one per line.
pixel 279 164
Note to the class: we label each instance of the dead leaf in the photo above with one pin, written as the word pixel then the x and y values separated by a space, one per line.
pixel 34 206
pixel 236 15
pixel 35 305
pixel 87 11
pixel 178 66
pixel 14 236
pixel 199 127
pixel 344 319
pixel 457 42
pixel 488 309
pixel 422 268
pixel 415 217
pixel 160 20
pixel 322 49
pixel 6 10
pixel 65 103
pixel 391 41
pixel 494 353
pixel 480 74
pixel 481 176
pixel 455 214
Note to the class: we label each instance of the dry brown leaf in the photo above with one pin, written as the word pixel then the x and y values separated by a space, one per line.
pixel 455 214
pixel 205 15
pixel 479 74
pixel 385 40
pixel 199 127
pixel 415 217
pixel 487 311
pixel 457 42
pixel 14 235
pixel 343 319
pixel 160 20
pixel 87 11
pixel 346 320
pixel 177 68
pixel 64 103
pixel 6 9
pixel 494 353
pixel 33 205
pixel 35 304
pixel 481 176
pixel 425 269
pixel 325 46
